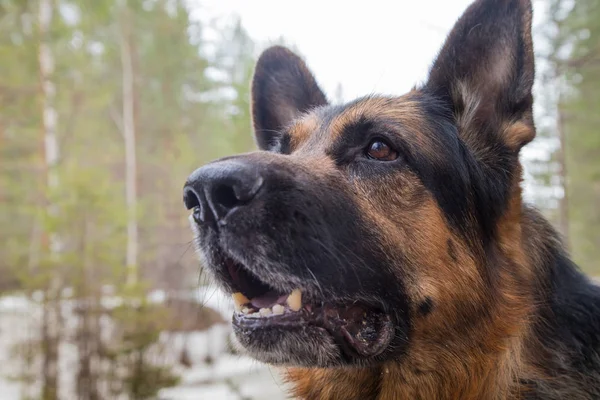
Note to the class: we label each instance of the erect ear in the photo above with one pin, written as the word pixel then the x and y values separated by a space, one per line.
pixel 282 88
pixel 486 71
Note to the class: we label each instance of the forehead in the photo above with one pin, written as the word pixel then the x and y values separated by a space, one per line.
pixel 324 126
pixel 421 128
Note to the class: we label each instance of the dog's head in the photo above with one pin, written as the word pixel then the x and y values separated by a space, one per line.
pixel 362 231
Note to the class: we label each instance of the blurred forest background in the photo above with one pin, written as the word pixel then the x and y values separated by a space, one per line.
pixel 105 108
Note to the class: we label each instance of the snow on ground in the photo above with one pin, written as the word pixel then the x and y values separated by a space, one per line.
pixel 228 377
pixel 231 377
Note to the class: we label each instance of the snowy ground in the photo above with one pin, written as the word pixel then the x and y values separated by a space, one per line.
pixel 229 377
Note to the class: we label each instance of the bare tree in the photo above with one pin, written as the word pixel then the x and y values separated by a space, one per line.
pixel 128 124
pixel 51 310
pixel 556 80
pixel 563 204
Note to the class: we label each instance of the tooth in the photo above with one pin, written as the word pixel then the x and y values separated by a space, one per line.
pixel 294 300
pixel 245 310
pixel 278 309
pixel 239 300
pixel 265 312
pixel 254 315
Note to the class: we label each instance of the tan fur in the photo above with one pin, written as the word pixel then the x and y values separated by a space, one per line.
pixel 302 130
pixel 445 361
pixel 474 341
pixel 517 134
pixel 393 108
pixel 450 357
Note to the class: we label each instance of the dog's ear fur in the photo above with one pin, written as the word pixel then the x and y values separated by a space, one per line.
pixel 282 88
pixel 485 71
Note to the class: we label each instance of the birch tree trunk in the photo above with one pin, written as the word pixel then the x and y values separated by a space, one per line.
pixel 563 204
pixel 51 307
pixel 129 138
pixel 49 115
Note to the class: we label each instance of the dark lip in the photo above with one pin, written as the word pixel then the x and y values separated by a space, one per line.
pixel 365 336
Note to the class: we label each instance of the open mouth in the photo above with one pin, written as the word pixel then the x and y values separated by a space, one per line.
pixel 358 329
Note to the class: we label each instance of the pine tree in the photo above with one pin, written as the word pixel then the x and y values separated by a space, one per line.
pixel 582 140
pixel 570 86
pixel 87 81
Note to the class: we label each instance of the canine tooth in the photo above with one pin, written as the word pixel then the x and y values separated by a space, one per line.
pixel 294 300
pixel 278 309
pixel 239 300
pixel 245 310
pixel 265 312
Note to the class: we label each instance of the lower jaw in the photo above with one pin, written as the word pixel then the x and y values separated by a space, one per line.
pixel 309 347
pixel 351 333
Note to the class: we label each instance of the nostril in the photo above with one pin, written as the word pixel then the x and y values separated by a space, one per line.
pixel 246 192
pixel 220 187
pixel 190 198
pixel 225 196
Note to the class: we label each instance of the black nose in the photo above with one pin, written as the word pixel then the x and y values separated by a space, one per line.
pixel 220 187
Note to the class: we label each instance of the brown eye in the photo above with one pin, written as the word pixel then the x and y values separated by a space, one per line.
pixel 379 150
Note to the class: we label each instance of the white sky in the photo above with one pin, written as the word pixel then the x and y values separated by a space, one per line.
pixel 383 46
pixel 372 46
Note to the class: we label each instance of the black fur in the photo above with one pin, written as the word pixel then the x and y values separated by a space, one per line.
pixel 567 328
pixel 282 89
pixel 426 306
pixel 308 226
pixel 303 230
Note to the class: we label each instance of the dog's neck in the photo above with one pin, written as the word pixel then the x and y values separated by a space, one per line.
pixel 457 376
pixel 394 381
pixel 496 365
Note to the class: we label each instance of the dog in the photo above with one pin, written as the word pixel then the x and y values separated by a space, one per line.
pixel 381 249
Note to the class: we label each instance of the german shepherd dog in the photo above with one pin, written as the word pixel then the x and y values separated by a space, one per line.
pixel 381 249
